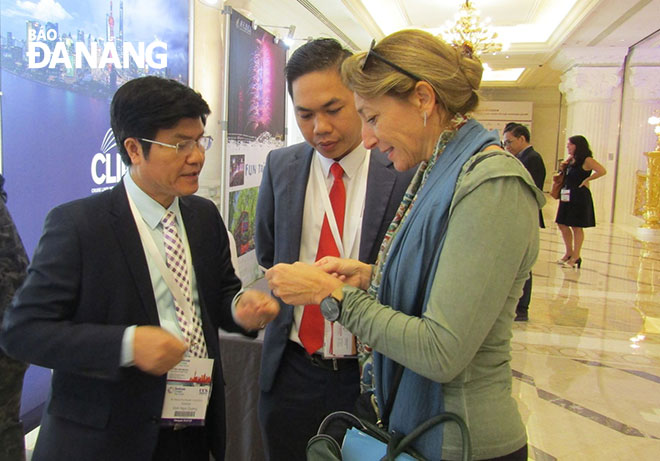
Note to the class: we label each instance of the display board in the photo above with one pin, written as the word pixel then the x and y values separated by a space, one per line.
pixel 494 115
pixel 61 62
pixel 255 126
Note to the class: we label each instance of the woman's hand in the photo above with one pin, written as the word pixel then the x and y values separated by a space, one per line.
pixel 599 170
pixel 350 271
pixel 301 283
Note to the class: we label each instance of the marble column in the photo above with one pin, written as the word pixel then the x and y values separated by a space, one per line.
pixel 593 97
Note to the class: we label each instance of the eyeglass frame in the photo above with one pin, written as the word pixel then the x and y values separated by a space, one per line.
pixel 176 146
pixel 396 67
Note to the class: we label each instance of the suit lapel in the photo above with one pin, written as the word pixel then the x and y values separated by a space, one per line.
pixel 131 246
pixel 298 170
pixel 380 183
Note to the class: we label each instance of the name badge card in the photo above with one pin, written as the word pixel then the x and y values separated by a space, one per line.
pixel 338 342
pixel 565 195
pixel 187 392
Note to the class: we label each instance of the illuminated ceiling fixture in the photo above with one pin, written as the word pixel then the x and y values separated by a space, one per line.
pixel 470 32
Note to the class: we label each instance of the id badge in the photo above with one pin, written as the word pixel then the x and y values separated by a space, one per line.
pixel 338 342
pixel 565 195
pixel 187 392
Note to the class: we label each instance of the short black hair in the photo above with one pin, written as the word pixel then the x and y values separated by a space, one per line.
pixel 145 105
pixel 319 54
pixel 517 130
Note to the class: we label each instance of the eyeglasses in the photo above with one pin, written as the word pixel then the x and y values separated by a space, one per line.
pixel 372 53
pixel 506 142
pixel 186 147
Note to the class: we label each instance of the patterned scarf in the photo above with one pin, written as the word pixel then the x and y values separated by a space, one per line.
pixel 365 357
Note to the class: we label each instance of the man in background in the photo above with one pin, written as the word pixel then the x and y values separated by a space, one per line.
pixel 127 283
pixel 326 196
pixel 516 141
pixel 13 264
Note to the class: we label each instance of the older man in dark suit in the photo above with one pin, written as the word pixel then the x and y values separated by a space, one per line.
pixel 516 140
pixel 300 216
pixel 126 284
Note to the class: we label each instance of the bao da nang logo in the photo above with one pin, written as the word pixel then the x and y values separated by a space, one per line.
pixel 107 168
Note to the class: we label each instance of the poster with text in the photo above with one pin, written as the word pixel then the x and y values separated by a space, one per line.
pixel 255 126
pixel 62 61
pixel 494 115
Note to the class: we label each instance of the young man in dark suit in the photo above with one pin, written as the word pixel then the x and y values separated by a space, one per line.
pixel 299 384
pixel 101 307
pixel 516 141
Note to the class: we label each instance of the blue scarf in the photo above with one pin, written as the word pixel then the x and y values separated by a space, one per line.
pixel 417 246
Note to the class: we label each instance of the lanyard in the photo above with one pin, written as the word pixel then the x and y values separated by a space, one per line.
pixel 357 197
pixel 150 246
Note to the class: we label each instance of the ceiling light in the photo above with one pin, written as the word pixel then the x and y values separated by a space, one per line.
pixel 503 75
pixel 471 32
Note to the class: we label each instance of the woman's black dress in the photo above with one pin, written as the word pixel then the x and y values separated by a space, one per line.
pixel 579 211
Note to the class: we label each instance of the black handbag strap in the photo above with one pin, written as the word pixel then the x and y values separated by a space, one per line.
pixel 384 420
pixel 398 443
pixel 403 443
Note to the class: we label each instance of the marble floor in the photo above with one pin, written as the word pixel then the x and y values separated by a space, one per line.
pixel 587 363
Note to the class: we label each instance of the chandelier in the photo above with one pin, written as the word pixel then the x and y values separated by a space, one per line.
pixel 471 33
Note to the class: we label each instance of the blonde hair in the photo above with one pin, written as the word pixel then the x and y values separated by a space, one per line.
pixel 454 75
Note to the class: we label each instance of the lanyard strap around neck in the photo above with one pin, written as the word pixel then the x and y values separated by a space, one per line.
pixel 359 195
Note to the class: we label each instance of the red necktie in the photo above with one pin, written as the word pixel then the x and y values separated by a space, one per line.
pixel 312 325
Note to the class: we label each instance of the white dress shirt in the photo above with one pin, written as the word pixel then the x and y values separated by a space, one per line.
pixel 356 171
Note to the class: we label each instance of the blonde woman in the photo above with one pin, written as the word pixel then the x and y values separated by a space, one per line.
pixel 441 299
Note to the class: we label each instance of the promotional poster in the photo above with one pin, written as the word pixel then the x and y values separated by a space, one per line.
pixel 256 101
pixel 62 60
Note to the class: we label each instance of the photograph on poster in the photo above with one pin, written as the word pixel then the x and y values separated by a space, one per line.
pixel 93 47
pixel 236 170
pixel 256 118
pixel 61 62
pixel 241 218
pixel 256 81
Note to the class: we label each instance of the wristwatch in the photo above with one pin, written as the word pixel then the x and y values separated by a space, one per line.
pixel 331 304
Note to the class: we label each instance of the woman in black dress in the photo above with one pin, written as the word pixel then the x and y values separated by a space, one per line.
pixel 576 207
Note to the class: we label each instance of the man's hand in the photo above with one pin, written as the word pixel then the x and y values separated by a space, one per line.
pixel 156 351
pixel 301 283
pixel 255 309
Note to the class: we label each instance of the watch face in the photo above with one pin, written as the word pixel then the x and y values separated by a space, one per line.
pixel 330 308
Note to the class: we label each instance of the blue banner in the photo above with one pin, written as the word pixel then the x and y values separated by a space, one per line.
pixel 61 63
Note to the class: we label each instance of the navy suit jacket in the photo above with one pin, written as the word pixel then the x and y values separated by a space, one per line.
pixel 279 226
pixel 88 281
pixel 533 162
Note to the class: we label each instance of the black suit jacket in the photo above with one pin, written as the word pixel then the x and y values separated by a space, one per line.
pixel 88 281
pixel 279 226
pixel 533 161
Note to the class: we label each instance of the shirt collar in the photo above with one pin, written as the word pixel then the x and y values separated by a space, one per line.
pixel 350 164
pixel 152 212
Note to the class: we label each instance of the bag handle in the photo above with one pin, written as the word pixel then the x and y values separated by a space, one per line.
pixel 384 420
pixel 402 443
